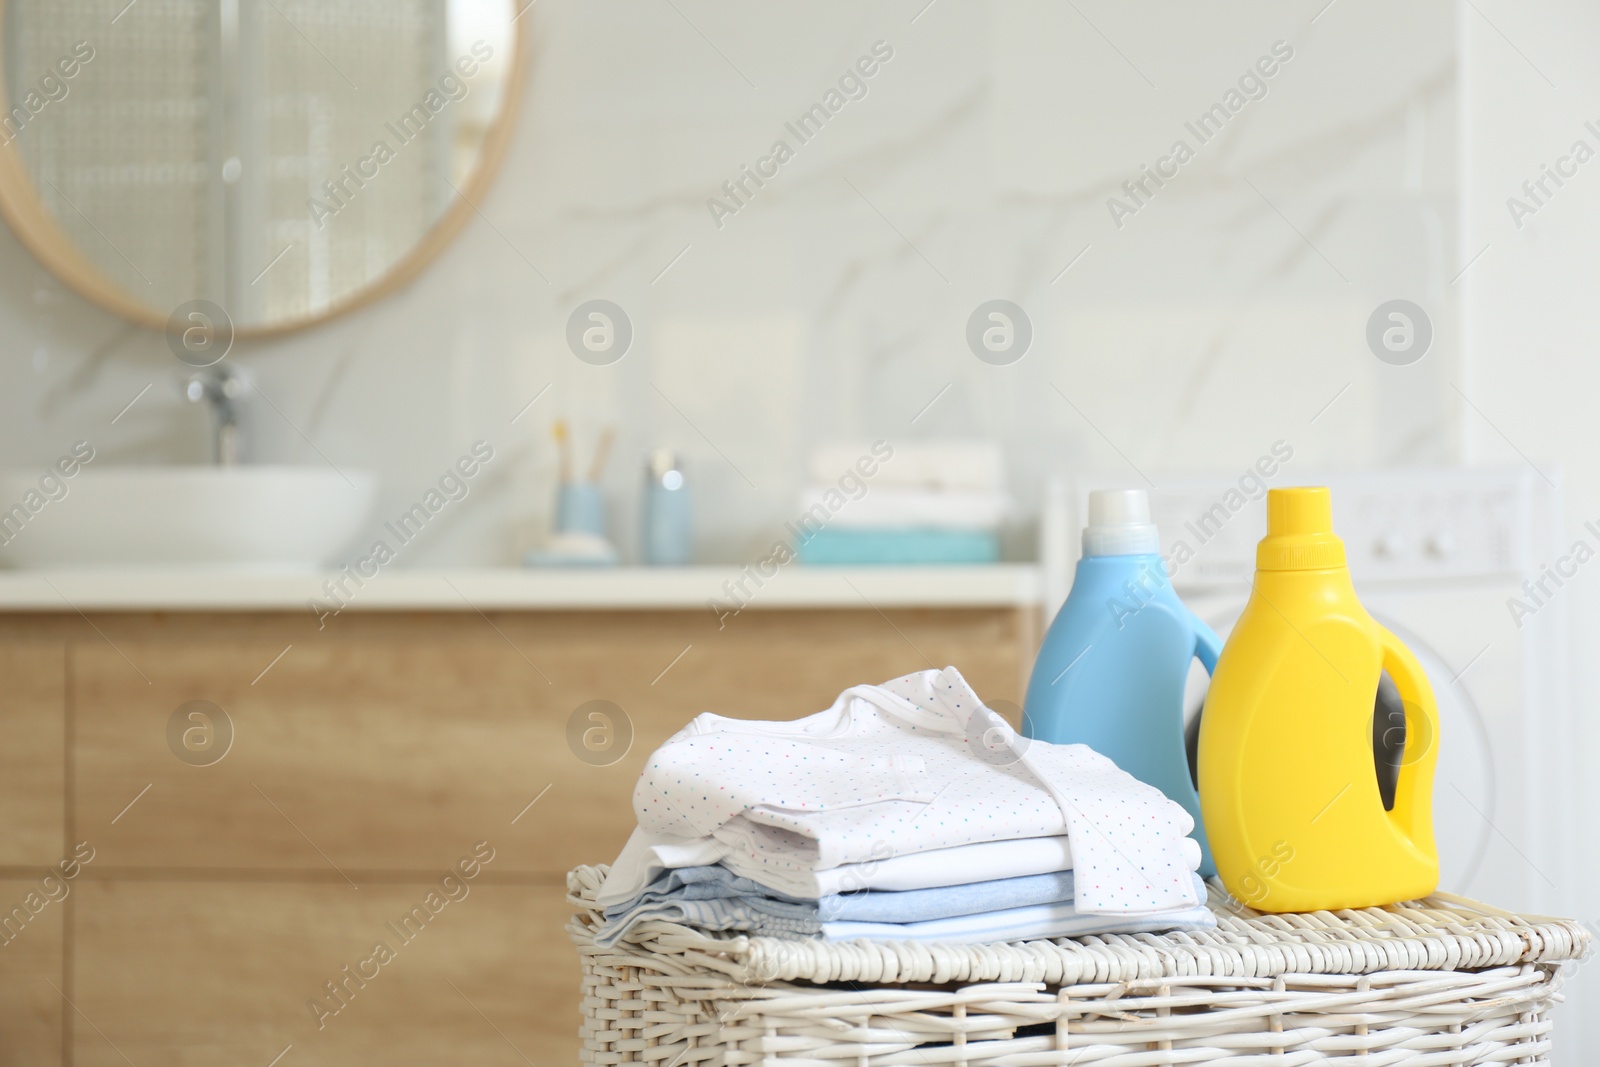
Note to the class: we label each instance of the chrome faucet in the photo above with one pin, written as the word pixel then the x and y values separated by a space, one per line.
pixel 221 387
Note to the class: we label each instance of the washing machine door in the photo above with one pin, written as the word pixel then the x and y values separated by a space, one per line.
pixel 1464 784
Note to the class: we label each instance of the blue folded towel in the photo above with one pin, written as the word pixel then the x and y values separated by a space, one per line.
pixel 839 547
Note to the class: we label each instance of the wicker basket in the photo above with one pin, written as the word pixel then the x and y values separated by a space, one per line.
pixel 1443 981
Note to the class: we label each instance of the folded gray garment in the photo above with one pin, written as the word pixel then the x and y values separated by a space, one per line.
pixel 715 898
pixel 711 898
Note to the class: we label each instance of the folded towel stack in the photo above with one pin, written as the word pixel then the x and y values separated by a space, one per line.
pixel 906 811
pixel 930 502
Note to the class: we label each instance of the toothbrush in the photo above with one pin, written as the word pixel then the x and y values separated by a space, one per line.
pixel 602 452
pixel 558 430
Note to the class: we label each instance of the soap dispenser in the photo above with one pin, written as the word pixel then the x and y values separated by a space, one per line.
pixel 667 534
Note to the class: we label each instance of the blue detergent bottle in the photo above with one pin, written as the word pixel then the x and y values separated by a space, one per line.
pixel 1112 669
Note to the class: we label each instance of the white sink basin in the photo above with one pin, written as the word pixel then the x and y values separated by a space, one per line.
pixel 266 518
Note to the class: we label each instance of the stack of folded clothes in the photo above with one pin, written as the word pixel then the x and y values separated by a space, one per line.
pixel 929 502
pixel 906 811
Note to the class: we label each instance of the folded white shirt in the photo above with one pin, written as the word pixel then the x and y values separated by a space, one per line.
pixel 647 855
pixel 890 508
pixel 914 765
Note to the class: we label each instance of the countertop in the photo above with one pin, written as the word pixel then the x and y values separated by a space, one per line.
pixel 514 589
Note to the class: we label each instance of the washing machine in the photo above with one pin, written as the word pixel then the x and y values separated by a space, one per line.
pixel 1438 556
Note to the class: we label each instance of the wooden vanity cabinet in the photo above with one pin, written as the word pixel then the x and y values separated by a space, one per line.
pixel 229 895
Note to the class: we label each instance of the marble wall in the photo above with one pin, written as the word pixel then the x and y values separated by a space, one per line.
pixel 1528 339
pixel 1188 332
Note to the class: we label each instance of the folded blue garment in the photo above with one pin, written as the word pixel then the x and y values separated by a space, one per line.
pixel 1007 909
pixel 922 905
pixel 1022 924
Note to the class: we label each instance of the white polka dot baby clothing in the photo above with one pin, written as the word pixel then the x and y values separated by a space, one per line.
pixel 909 766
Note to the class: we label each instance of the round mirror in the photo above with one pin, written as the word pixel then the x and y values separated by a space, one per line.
pixel 283 160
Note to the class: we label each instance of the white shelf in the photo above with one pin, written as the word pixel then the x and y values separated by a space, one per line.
pixel 516 589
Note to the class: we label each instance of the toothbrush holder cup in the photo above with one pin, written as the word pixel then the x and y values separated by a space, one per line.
pixel 581 508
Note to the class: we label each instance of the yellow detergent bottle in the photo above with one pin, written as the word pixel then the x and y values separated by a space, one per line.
pixel 1288 782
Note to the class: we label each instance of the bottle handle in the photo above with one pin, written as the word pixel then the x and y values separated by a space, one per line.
pixel 1413 810
pixel 1207 645
pixel 1207 648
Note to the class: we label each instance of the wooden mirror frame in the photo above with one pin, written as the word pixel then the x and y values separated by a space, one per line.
pixel 23 211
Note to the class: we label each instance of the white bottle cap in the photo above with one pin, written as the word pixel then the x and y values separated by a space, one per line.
pixel 1119 524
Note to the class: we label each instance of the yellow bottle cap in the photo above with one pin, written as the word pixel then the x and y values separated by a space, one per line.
pixel 1300 533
